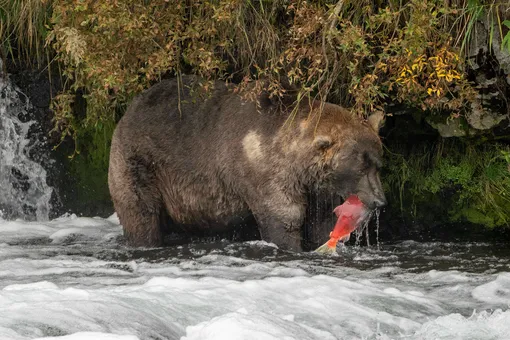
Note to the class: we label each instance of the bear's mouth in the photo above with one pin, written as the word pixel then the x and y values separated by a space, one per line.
pixel 320 217
pixel 353 207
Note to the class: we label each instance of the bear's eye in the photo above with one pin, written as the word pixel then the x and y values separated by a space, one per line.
pixel 373 161
pixel 366 162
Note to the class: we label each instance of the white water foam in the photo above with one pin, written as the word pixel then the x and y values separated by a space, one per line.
pixel 71 279
pixel 24 191
pixel 91 336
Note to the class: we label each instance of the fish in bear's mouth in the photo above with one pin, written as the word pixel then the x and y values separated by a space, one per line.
pixel 350 216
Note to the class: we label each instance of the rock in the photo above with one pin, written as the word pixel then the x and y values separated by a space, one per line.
pixel 479 42
pixel 490 67
pixel 483 119
pixel 452 128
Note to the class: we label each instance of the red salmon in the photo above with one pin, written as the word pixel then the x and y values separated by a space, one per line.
pixel 350 215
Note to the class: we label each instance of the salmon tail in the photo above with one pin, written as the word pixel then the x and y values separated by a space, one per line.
pixel 326 249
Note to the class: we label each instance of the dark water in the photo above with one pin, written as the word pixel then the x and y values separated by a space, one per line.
pixel 410 256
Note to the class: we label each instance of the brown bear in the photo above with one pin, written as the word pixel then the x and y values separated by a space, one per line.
pixel 209 160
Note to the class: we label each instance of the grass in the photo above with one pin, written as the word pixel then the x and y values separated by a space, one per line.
pixel 23 30
pixel 491 11
pixel 457 181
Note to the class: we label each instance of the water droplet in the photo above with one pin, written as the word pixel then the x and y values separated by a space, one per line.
pixel 377 214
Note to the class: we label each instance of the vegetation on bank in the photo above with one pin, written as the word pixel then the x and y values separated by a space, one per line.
pixel 455 182
pixel 23 30
pixel 368 55
pixel 358 54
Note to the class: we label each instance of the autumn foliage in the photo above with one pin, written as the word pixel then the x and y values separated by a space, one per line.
pixel 356 53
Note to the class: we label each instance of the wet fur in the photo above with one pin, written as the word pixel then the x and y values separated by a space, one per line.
pixel 219 160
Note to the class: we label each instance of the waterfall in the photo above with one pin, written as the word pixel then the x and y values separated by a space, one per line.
pixel 24 192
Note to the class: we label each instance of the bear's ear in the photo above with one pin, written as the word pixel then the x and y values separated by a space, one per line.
pixel 376 120
pixel 322 142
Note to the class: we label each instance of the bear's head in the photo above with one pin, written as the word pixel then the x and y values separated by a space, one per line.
pixel 348 155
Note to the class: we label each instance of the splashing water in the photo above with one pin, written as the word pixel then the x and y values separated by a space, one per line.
pixel 377 214
pixel 24 191
pixel 367 236
pixel 359 231
pixel 364 228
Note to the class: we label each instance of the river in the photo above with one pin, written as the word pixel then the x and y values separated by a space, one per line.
pixel 72 278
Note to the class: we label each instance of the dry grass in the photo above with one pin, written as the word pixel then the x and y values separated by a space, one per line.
pixel 23 30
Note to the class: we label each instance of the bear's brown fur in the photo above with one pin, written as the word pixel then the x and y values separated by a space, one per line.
pixel 207 161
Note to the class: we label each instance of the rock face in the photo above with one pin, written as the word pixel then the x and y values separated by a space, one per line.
pixel 452 128
pixel 489 61
pixel 182 159
pixel 481 118
pixel 488 64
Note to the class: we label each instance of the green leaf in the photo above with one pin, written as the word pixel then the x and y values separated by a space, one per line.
pixel 506 42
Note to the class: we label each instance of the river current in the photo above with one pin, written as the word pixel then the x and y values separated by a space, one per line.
pixel 72 278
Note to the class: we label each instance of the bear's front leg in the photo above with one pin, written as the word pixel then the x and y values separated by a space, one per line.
pixel 280 223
